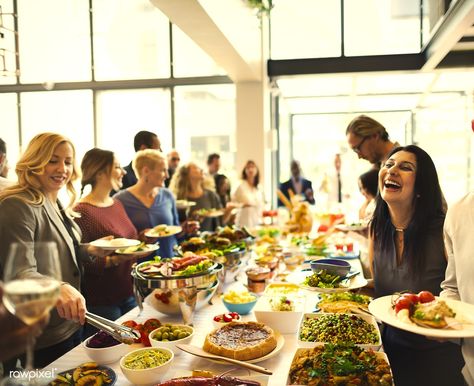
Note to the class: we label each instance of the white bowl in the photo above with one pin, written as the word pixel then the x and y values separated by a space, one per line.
pixel 105 355
pixel 150 376
pixel 369 319
pixel 285 322
pixel 171 345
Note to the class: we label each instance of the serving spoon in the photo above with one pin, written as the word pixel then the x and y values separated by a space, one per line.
pixel 204 354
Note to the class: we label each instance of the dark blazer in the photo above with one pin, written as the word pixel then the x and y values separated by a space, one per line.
pixel 306 184
pixel 21 222
pixel 130 178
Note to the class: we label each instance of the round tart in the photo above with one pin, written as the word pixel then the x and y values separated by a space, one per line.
pixel 241 341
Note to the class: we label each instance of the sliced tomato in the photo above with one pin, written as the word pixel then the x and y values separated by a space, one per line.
pixel 152 324
pixel 130 323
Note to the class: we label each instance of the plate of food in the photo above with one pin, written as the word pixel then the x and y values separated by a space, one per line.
pixel 256 342
pixel 141 249
pixel 114 244
pixel 86 373
pixel 344 302
pixel 354 227
pixel 184 204
pixel 212 212
pixel 163 230
pixel 322 281
pixel 426 315
pixel 348 363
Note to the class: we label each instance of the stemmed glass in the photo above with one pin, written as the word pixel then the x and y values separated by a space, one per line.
pixel 31 288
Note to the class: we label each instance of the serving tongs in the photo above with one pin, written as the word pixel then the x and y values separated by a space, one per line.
pixel 121 333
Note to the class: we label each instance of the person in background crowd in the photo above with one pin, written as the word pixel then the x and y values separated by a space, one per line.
pixel 369 139
pixel 3 166
pixel 173 163
pixel 406 252
pixel 250 196
pixel 106 283
pixel 213 164
pixel 368 186
pixel 223 189
pixel 30 211
pixel 14 342
pixel 143 140
pixel 148 203
pixel 188 184
pixel 460 271
pixel 297 184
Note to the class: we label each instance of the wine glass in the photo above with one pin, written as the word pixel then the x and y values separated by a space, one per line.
pixel 32 279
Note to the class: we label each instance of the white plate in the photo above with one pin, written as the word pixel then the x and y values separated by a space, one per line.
pixel 183 204
pixel 353 228
pixel 355 282
pixel 368 318
pixel 276 350
pixel 211 213
pixel 171 230
pixel 382 309
pixel 113 244
pixel 147 249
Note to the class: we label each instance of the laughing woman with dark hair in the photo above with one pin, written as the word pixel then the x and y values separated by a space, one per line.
pixel 407 254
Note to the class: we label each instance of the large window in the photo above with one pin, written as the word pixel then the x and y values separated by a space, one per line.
pixel 65 112
pixel 305 29
pixel 121 114
pixel 131 40
pixel 205 123
pixel 7 43
pixel 376 27
pixel 317 138
pixel 9 128
pixel 54 41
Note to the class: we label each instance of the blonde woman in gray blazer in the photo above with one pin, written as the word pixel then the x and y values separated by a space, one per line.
pixel 30 212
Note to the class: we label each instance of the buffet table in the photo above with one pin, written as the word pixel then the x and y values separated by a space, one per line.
pixel 184 363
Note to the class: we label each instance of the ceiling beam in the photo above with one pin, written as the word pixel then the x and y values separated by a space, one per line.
pixel 346 64
pixel 455 23
pixel 227 31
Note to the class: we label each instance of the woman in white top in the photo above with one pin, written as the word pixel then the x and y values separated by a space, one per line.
pixel 250 196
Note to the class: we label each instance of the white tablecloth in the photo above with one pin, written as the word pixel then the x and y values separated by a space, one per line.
pixel 279 364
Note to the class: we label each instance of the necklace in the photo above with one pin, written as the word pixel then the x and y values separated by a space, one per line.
pixel 400 230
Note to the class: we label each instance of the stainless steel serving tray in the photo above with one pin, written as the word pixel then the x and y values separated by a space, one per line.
pixel 198 280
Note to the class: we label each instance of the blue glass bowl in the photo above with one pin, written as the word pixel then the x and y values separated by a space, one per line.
pixel 240 308
pixel 332 266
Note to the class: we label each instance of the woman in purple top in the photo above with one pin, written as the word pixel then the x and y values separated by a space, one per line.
pixel 148 203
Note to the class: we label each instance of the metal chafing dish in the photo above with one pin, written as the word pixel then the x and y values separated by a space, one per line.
pixel 173 295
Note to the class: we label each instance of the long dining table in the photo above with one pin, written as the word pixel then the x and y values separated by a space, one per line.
pixel 184 363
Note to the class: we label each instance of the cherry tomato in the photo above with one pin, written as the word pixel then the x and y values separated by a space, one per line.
pixel 218 318
pixel 228 318
pixel 414 298
pixel 426 297
pixel 323 228
pixel 235 315
pixel 402 303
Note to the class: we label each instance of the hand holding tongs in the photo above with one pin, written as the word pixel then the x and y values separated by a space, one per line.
pixel 121 333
